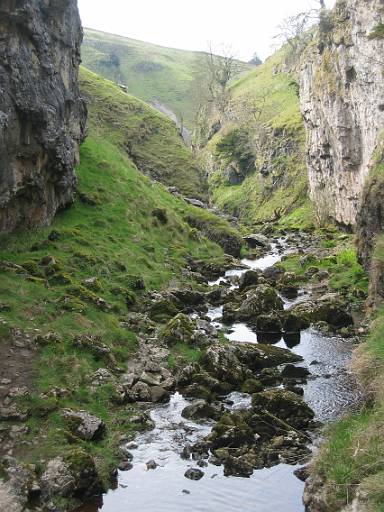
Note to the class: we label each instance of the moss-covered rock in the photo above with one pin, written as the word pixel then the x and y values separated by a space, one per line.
pixel 179 329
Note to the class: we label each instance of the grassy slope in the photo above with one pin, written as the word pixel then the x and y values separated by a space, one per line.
pixel 151 140
pixel 151 72
pixel 109 234
pixel 256 199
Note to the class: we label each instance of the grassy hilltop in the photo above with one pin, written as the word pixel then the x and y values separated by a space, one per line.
pixel 152 73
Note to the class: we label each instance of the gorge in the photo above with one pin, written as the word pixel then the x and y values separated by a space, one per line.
pixel 188 329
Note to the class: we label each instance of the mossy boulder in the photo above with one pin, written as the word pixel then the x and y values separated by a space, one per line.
pixel 252 386
pixel 327 309
pixel 268 324
pixel 179 329
pixel 284 405
pixel 232 431
pixel 162 310
pixel 260 300
pixel 249 278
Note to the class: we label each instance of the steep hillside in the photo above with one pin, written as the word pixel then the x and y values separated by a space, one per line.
pixel 67 291
pixel 256 161
pixel 155 74
pixel 149 138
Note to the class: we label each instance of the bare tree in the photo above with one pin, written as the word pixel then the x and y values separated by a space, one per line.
pixel 213 75
pixel 295 30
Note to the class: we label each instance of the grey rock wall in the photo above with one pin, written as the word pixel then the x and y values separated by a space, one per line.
pixel 42 117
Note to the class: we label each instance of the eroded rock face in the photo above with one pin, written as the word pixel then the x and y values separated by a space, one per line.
pixel 342 101
pixel 42 117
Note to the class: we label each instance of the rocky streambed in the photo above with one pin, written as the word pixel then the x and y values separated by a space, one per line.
pixel 229 431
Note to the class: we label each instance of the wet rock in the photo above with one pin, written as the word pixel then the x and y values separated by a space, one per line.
pixel 151 464
pixel 273 274
pixel 74 474
pixel 302 473
pixel 284 405
pixel 238 466
pixel 270 324
pixel 222 363
pixel 327 309
pixel 249 278
pixel 231 431
pixel 294 322
pixel 84 425
pixel 255 240
pixel 125 465
pixel 260 300
pixel 291 371
pixel 194 474
pixel 200 409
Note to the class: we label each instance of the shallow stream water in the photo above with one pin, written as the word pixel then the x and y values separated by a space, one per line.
pixel 330 391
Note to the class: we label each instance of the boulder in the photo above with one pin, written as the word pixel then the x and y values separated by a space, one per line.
pixel 84 425
pixel 74 474
pixel 256 240
pixel 194 474
pixel 290 371
pixel 285 405
pixel 260 300
pixel 201 409
pixel 249 278
pixel 238 466
pixel 269 324
pixel 329 309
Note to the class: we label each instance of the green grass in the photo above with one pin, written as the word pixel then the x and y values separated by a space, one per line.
pixel 275 137
pixel 185 352
pixel 347 276
pixel 377 32
pixel 351 460
pixel 150 139
pixel 152 73
pixel 111 234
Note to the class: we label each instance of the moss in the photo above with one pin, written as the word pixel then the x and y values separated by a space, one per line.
pixel 179 329
pixel 377 32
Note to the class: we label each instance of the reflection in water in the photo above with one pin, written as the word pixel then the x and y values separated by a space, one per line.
pixel 291 339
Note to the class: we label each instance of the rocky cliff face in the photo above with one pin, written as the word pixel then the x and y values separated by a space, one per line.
pixel 342 101
pixel 42 118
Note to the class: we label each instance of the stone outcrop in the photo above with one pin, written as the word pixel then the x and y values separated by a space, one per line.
pixel 42 117
pixel 342 101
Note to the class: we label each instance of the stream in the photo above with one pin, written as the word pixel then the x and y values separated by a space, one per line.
pixel 330 391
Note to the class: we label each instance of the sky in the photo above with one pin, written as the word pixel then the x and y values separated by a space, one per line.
pixel 245 26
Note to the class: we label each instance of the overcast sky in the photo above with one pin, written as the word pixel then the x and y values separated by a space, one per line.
pixel 247 26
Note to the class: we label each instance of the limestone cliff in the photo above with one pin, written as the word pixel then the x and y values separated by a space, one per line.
pixel 342 101
pixel 42 118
